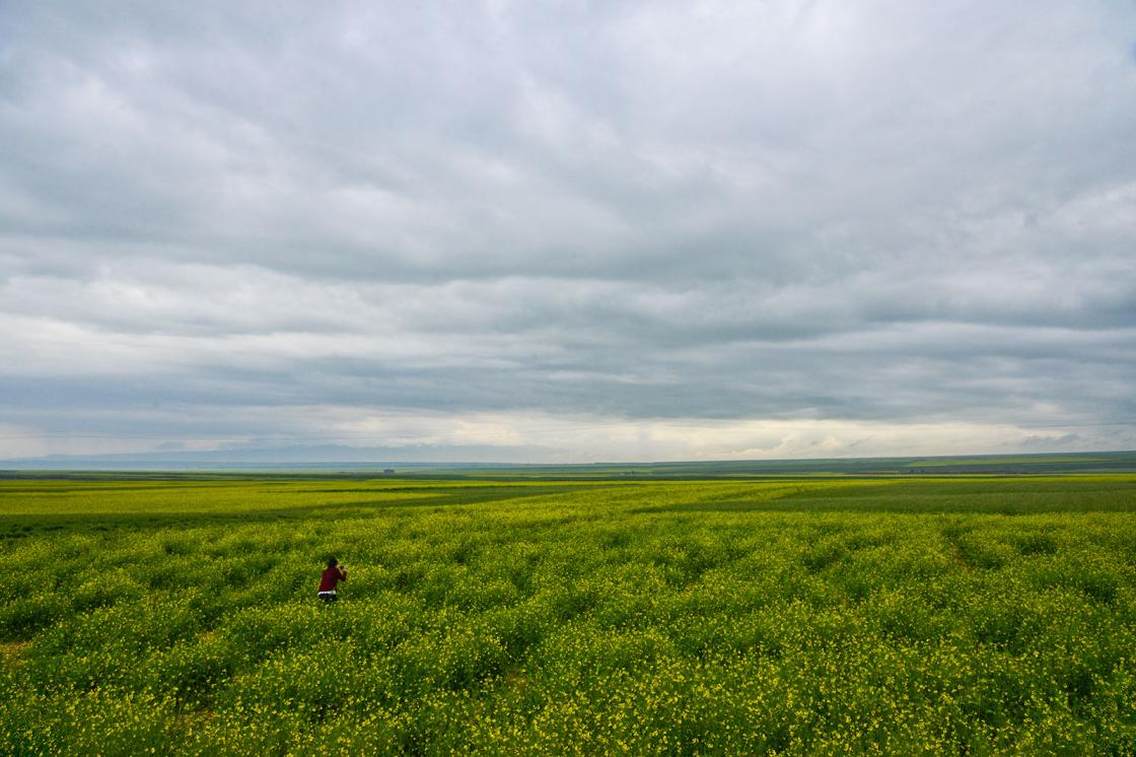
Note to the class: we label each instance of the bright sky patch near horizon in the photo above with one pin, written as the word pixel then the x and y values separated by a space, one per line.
pixel 573 232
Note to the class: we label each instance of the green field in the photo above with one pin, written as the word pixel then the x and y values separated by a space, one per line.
pixel 900 615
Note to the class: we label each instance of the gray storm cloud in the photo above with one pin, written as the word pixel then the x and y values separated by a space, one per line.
pixel 614 230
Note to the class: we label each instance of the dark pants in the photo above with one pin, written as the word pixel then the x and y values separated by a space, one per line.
pixel 329 598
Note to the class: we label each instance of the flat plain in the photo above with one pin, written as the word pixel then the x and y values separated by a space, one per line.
pixel 900 614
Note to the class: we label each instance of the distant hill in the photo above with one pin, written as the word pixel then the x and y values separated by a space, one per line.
pixel 462 461
pixel 288 457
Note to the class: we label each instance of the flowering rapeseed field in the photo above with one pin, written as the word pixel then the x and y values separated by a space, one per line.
pixel 985 615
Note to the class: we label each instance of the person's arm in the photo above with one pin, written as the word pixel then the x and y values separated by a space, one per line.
pixel 343 574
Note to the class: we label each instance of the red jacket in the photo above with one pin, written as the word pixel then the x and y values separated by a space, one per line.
pixel 331 577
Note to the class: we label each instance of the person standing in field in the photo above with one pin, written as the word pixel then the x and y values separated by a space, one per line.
pixel 330 578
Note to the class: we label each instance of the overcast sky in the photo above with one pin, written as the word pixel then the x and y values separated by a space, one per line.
pixel 568 231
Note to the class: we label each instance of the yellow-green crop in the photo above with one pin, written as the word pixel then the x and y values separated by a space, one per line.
pixel 913 615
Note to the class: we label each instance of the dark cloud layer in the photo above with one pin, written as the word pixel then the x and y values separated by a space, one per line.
pixel 616 230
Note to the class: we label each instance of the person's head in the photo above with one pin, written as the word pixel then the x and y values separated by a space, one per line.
pixel 332 563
